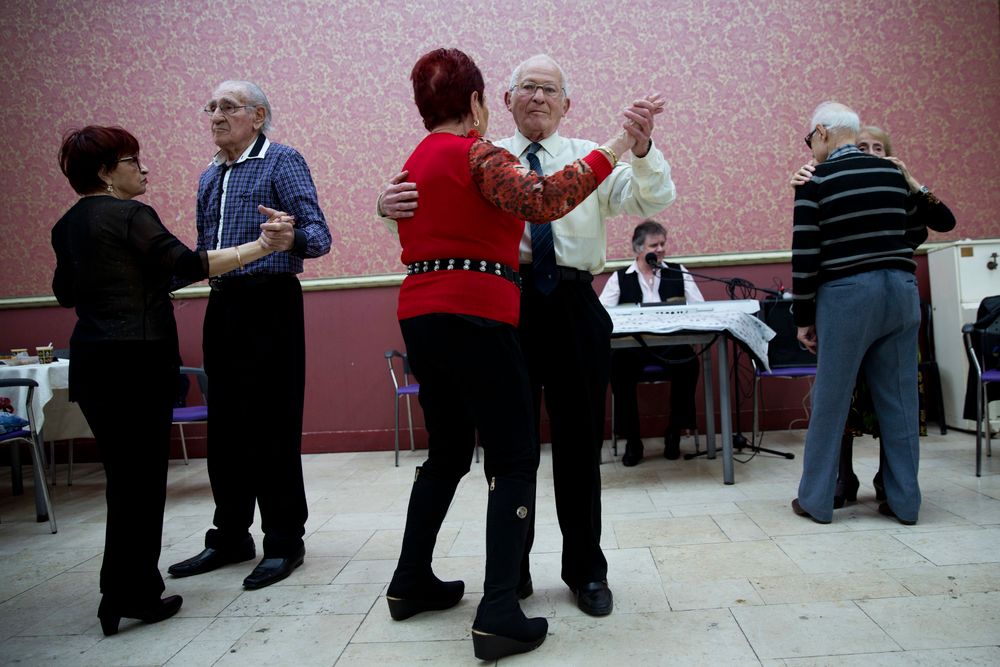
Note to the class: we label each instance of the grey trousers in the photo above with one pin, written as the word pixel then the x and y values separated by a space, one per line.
pixel 868 321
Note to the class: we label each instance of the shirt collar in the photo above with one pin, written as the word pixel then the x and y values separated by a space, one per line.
pixel 254 151
pixel 552 144
pixel 634 266
pixel 846 149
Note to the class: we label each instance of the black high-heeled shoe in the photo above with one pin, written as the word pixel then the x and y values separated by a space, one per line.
pixel 879 486
pixel 111 615
pixel 846 491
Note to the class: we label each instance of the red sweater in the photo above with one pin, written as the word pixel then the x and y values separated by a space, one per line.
pixel 474 198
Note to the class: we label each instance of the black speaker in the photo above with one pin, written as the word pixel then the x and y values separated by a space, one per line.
pixel 784 350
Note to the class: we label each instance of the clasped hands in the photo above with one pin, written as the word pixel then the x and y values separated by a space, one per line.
pixel 277 234
pixel 639 122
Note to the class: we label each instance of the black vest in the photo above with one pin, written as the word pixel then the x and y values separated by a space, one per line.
pixel 671 285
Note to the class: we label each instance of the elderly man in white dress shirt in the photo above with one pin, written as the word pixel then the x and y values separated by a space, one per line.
pixel 565 331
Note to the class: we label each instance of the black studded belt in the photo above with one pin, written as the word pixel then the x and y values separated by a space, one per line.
pixel 453 264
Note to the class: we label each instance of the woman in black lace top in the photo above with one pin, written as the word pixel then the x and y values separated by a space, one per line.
pixel 114 264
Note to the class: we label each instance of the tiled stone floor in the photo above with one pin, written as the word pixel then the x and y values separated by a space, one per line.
pixel 703 573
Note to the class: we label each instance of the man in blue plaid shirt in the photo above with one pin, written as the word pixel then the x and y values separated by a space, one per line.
pixel 254 316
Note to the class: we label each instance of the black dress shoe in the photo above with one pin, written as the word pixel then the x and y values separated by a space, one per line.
pixel 633 453
pixel 212 559
pixel 594 598
pixel 801 512
pixel 270 570
pixel 672 445
pixel 885 510
pixel 111 614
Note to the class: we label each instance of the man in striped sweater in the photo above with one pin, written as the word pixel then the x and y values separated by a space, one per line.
pixel 856 224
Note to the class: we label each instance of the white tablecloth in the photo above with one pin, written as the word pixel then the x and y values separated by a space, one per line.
pixel 55 416
pixel 741 327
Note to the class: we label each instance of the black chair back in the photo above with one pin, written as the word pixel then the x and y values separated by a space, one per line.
pixel 986 334
pixel 784 350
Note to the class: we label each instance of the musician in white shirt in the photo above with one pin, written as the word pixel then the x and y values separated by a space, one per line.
pixel 651 279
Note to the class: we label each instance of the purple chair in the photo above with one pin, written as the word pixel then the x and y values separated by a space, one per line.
pixel 404 390
pixel 785 356
pixel 30 435
pixel 982 341
pixel 193 414
pixel 790 373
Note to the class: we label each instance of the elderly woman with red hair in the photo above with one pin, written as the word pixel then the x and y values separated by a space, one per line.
pixel 114 264
pixel 458 312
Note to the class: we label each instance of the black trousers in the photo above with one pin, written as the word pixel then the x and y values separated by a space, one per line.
pixel 566 337
pixel 472 378
pixel 254 344
pixel 627 365
pixel 126 391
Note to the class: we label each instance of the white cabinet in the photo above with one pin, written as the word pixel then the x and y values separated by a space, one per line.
pixel 961 276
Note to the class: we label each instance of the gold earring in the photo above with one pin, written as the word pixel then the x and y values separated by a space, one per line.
pixel 476 124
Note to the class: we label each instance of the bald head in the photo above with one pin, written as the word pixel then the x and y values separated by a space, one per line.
pixel 540 60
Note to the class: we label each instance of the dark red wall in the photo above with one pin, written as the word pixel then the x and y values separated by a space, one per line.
pixel 348 392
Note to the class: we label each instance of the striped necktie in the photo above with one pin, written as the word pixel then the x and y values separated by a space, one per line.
pixel 543 254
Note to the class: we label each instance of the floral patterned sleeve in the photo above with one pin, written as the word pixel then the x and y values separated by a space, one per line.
pixel 514 188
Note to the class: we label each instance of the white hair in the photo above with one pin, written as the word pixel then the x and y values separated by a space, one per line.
pixel 253 95
pixel 516 74
pixel 836 116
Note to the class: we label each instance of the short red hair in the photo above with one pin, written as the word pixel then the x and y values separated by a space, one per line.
pixel 443 83
pixel 84 152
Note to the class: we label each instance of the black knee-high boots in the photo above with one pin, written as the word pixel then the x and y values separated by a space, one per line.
pixel 414 588
pixel 501 628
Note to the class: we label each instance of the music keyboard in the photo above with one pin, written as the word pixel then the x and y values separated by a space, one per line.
pixel 749 306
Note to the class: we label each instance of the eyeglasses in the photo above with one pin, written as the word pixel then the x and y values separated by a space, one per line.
pixel 226 108
pixel 809 137
pixel 134 159
pixel 528 88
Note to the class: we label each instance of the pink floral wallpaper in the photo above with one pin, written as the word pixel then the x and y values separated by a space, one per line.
pixel 741 78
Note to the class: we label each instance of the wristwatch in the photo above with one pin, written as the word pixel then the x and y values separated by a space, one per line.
pixel 926 192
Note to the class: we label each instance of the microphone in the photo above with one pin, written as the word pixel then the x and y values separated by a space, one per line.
pixel 651 260
pixel 732 284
